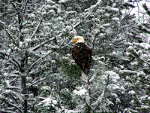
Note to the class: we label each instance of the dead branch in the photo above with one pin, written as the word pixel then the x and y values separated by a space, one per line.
pixel 42 44
pixel 33 64
pixel 36 28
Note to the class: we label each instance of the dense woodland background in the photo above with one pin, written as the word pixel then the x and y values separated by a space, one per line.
pixel 36 70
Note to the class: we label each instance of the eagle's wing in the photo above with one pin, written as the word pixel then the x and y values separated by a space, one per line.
pixel 82 55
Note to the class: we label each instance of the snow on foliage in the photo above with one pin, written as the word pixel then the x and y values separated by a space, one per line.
pixel 63 1
pixel 36 69
pixel 80 91
pixel 132 92
pixel 49 101
pixel 114 75
pixel 145 46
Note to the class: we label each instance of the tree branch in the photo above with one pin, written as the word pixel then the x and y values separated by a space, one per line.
pixel 76 25
pixel 33 64
pixel 15 106
pixel 15 62
pixel 38 81
pixel 89 106
pixel 11 37
pixel 18 15
pixel 24 12
pixel 42 44
pixel 36 28
pixel 147 9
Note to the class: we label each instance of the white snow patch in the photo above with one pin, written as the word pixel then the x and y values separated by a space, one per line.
pixel 49 0
pixel 80 91
pixel 112 9
pixel 145 107
pixel 132 92
pixel 48 101
pixel 141 73
pixel 114 86
pixel 31 15
pixel 94 6
pixel 134 63
pixel 67 110
pixel 109 31
pixel 63 1
pixel 71 111
pixel 115 18
pixel 106 25
pixel 45 87
pixel 113 74
pixel 139 10
pixel 130 48
pixel 145 45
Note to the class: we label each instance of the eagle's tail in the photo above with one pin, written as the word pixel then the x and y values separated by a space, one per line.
pixel 84 76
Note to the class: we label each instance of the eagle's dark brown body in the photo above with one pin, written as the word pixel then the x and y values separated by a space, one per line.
pixel 82 55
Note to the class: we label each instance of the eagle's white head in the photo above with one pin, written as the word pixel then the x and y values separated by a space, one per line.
pixel 77 39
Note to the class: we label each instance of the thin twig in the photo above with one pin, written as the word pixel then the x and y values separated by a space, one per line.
pixel 136 55
pixel 94 40
pixel 15 62
pixel 23 13
pixel 33 64
pixel 36 28
pixel 42 44
pixel 15 106
pixel 76 25
pixel 38 81
pixel 11 37
pixel 99 102
pixel 18 15
pixel 89 106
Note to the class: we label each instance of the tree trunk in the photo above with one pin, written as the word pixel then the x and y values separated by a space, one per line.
pixel 23 83
pixel 24 93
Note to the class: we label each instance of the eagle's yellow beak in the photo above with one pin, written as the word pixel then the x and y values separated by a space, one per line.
pixel 75 40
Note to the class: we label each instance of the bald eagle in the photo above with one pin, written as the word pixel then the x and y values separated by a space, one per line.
pixel 82 56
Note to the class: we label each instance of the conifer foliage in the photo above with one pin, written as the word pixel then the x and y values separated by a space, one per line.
pixel 38 75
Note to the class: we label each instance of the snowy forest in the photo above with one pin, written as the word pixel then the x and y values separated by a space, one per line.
pixel 37 73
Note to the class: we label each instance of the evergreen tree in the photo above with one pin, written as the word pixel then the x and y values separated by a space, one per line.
pixel 36 69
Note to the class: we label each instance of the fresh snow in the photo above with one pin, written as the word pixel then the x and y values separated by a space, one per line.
pixel 48 101
pixel 80 91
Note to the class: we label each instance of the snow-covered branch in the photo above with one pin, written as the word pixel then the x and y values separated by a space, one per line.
pixel 42 44
pixel 11 104
pixel 34 32
pixel 18 15
pixel 23 14
pixel 147 9
pixel 11 37
pixel 38 81
pixel 13 60
pixel 34 63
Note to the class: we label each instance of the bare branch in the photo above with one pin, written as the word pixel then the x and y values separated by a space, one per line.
pixel 79 23
pixel 13 60
pixel 42 44
pixel 38 81
pixel 18 15
pixel 147 9
pixel 11 37
pixel 89 106
pixel 24 12
pixel 3 21
pixel 15 106
pixel 16 62
pixel 138 58
pixel 33 64
pixel 36 29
